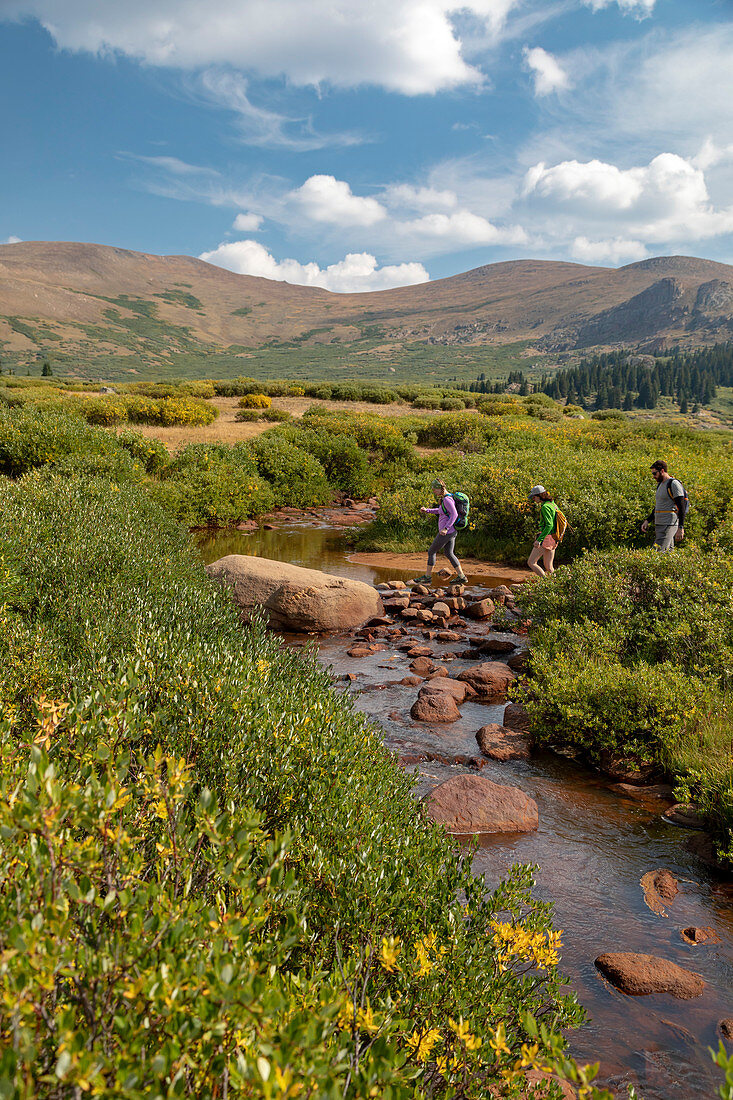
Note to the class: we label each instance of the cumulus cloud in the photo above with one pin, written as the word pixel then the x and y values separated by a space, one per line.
pixel 326 199
pixel 12 240
pixel 357 272
pixel 407 46
pixel 462 228
pixel 548 74
pixel 662 201
pixel 614 251
pixel 248 223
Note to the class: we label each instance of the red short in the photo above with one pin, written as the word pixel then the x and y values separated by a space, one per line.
pixel 549 542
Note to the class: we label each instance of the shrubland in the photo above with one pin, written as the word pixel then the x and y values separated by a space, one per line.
pixel 215 880
pixel 632 658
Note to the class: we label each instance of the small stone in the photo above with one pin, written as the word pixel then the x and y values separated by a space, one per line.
pixel 411 681
pixel 456 590
pixel 420 651
pixel 659 886
pixel 460 692
pixel 639 975
pixel 425 616
pixel 441 610
pixel 481 609
pixel 519 662
pixel 408 613
pixel 420 590
pixel 693 934
pixel 361 650
pixel 396 586
pixel 497 646
pixel 422 666
pixel 491 679
pixel 448 636
pixel 726 1028
pixel 686 815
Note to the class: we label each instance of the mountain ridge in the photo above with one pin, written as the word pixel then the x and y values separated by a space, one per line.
pixel 71 298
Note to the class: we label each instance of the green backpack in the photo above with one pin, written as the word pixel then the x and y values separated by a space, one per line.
pixel 463 507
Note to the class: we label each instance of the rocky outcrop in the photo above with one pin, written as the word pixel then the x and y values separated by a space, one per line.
pixel 473 804
pixel 657 307
pixel 459 691
pixel 296 599
pixel 639 975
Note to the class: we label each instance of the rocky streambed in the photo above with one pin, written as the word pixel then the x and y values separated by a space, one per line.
pixel 647 925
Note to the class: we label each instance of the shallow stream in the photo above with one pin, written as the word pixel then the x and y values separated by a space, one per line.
pixel 593 845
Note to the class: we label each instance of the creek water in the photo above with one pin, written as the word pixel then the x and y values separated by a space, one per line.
pixel 592 847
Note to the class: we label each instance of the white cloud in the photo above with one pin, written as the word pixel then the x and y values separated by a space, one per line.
pixel 549 76
pixel 633 7
pixel 357 272
pixel 174 165
pixel 259 125
pixel 663 201
pixel 248 223
pixel 461 228
pixel 614 251
pixel 407 46
pixel 326 199
pixel 420 198
pixel 12 240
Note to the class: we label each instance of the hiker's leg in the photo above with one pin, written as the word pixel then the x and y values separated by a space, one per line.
pixel 664 538
pixel 435 546
pixel 549 546
pixel 449 551
pixel 533 561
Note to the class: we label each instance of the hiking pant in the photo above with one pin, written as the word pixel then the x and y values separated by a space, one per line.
pixel 664 536
pixel 444 544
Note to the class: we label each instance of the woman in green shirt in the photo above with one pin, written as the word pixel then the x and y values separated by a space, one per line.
pixel 545 543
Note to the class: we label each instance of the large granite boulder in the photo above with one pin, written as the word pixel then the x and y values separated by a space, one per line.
pixel 293 598
pixel 472 804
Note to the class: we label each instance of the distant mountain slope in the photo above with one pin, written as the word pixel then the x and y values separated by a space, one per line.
pixel 94 300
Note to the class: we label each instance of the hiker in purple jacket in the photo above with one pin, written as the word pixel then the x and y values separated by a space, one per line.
pixel 445 539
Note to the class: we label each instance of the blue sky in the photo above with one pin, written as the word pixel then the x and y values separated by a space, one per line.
pixel 360 144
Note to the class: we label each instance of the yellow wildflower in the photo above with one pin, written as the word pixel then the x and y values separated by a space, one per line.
pixel 498 1042
pixel 388 953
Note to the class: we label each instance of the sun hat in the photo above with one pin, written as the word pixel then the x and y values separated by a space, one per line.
pixel 536 491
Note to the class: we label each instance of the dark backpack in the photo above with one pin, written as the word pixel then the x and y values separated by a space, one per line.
pixel 686 505
pixel 463 507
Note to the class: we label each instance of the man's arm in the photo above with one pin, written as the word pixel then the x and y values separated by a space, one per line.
pixel 679 503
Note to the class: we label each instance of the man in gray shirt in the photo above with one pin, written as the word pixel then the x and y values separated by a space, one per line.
pixel 669 509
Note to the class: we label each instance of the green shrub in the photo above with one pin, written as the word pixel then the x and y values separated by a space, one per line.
pixel 255 401
pixel 452 404
pixel 220 496
pixel 208 915
pixel 426 402
pixel 609 414
pixel 150 453
pixel 32 437
pixel 296 477
pixel 107 411
pixel 204 389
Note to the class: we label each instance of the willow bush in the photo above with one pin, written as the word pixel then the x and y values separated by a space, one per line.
pixel 215 880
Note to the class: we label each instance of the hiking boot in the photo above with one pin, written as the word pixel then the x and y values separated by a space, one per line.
pixel 459 579
pixel 425 579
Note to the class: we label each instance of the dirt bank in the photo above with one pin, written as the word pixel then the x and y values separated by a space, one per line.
pixel 415 563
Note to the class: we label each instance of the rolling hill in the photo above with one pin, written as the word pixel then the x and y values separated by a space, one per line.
pixel 108 312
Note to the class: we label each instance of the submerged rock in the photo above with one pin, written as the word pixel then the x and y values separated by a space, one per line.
pixel 436 706
pixel 639 975
pixel 296 599
pixel 491 679
pixel 693 934
pixel 659 887
pixel 473 804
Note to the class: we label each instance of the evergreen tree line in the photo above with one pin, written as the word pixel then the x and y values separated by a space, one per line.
pixel 622 380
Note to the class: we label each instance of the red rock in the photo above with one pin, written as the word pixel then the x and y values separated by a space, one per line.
pixel 408 613
pixel 536 1078
pixel 420 651
pixel 659 887
pixel 639 975
pixel 491 679
pixel 456 590
pixel 438 671
pixel 396 586
pixel 519 662
pixel 420 590
pixel 441 610
pixel 437 706
pixel 424 615
pixel 516 718
pixel 460 692
pixel 422 666
pixel 497 646
pixel 481 609
pixel 473 804
pixel 396 603
pixel 685 814
pixel 693 934
pixel 448 636
pixel 411 681
pixel 380 620
pixel 726 1028
pixel 362 650
pixel 500 743
pixel 625 769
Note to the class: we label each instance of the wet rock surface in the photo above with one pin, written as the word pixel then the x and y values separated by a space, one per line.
pixel 474 804
pixel 640 975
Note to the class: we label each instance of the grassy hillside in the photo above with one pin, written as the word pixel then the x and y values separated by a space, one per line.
pixel 106 312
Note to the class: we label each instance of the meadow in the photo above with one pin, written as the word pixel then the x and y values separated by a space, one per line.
pixel 174 782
